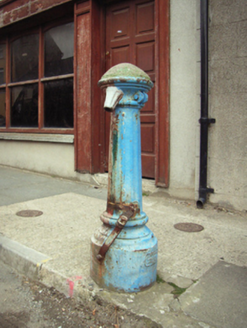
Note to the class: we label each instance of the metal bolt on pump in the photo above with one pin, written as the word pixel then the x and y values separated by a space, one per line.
pixel 124 250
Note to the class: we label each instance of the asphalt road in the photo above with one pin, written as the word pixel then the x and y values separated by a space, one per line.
pixel 28 304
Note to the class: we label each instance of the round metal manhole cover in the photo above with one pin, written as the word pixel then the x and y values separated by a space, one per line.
pixel 188 227
pixel 29 213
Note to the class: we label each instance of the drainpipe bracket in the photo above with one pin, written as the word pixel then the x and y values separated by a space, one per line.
pixel 207 190
pixel 207 120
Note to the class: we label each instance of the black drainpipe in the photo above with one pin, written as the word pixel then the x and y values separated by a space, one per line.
pixel 204 120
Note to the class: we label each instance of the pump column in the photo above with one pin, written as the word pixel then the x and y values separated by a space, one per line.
pixel 124 250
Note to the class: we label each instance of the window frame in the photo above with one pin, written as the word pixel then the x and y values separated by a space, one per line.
pixel 41 29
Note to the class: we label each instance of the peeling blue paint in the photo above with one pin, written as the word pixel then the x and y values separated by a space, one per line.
pixel 130 264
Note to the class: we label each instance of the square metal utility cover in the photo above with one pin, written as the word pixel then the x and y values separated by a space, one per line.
pixel 219 298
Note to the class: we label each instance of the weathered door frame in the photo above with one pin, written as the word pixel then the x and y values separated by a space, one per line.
pixel 89 17
pixel 88 69
pixel 162 92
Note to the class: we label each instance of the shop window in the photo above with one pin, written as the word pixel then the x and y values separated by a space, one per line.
pixel 58 93
pixel 59 49
pixel 25 58
pixel 24 106
pixel 58 97
pixel 36 91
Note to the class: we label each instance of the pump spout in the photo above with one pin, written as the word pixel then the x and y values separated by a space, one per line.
pixel 113 96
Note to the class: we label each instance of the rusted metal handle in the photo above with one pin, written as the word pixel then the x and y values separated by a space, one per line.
pixel 121 222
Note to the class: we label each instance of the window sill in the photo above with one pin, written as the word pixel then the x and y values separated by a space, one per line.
pixel 59 138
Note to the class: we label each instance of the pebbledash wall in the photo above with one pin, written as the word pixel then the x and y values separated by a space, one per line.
pixel 227 165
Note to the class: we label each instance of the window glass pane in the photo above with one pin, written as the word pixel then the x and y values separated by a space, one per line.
pixel 24 58
pixel 59 50
pixel 2 108
pixel 24 106
pixel 2 63
pixel 58 104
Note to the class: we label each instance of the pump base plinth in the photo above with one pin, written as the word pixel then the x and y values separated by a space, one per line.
pixel 130 265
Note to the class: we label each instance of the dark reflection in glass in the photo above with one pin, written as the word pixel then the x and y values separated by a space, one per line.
pixel 24 106
pixel 24 58
pixel 59 50
pixel 2 63
pixel 58 103
pixel 2 108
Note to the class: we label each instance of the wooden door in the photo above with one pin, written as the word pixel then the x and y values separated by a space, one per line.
pixel 130 37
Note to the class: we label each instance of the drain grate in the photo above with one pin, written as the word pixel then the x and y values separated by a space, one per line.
pixel 29 213
pixel 188 227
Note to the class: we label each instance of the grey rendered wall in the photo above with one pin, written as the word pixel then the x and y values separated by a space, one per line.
pixel 53 158
pixel 184 97
pixel 227 165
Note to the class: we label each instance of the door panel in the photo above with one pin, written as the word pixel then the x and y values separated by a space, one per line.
pixel 119 23
pixel 120 55
pixel 147 132
pixel 145 56
pixel 130 37
pixel 145 17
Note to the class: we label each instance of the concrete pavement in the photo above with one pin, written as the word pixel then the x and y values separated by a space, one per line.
pixel 209 267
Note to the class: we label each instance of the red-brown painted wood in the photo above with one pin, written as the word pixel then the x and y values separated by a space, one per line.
pixel 83 135
pixel 97 71
pixel 162 95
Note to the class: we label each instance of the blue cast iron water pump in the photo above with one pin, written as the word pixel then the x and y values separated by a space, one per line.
pixel 124 250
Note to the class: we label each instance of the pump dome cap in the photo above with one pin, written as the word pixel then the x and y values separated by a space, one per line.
pixel 125 72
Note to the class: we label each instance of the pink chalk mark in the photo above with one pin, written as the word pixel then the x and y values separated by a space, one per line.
pixel 71 283
pixel 71 288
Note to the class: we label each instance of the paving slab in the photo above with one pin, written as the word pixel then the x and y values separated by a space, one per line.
pixel 63 231
pixel 219 298
pixel 190 255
